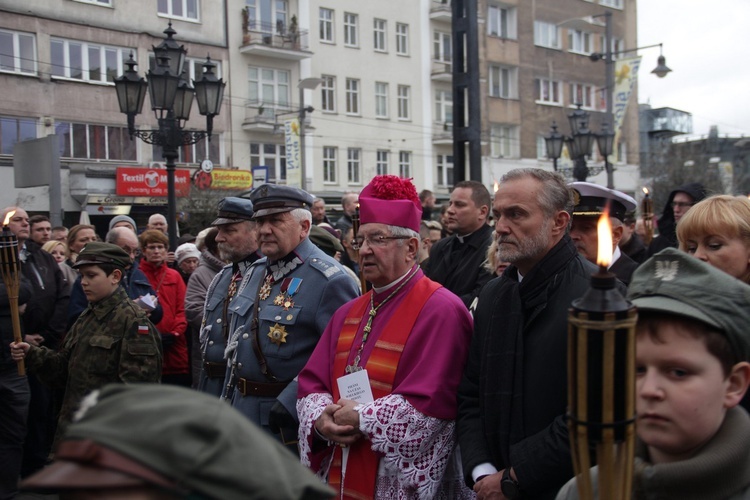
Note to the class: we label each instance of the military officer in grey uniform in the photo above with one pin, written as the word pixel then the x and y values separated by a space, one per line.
pixel 280 315
pixel 237 240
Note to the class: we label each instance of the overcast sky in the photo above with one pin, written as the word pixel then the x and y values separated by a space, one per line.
pixel 707 46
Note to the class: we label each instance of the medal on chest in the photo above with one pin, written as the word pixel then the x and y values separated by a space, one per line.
pixel 265 289
pixel 277 333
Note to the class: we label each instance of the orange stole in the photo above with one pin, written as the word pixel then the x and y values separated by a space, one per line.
pixel 381 370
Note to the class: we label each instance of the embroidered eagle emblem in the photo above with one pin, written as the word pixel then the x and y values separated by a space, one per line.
pixel 666 270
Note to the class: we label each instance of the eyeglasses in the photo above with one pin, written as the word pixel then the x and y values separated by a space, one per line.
pixel 377 240
pixel 681 204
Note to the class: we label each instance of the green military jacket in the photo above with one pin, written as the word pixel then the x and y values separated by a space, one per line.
pixel 111 342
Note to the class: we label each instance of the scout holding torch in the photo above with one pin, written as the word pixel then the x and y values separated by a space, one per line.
pixel 601 381
pixel 12 277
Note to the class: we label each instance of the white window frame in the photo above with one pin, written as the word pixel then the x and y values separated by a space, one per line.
pixel 580 42
pixel 170 10
pixel 353 106
pixel 505 141
pixel 194 154
pixel 354 165
pixel 17 125
pixel 442 48
pixel 100 3
pixel 444 165
pixel 275 161
pixel 351 29
pixel 404 102
pixel 541 147
pixel 503 81
pixel 20 59
pixel 444 107
pixel 615 4
pixel 122 53
pixel 193 66
pixel 547 35
pixel 325 25
pixel 329 164
pixel 271 18
pixel 548 91
pixel 404 164
pixel 502 21
pixel 583 93
pixel 402 39
pixel 73 138
pixel 381 100
pixel 381 162
pixel 380 35
pixel 328 94
pixel 259 85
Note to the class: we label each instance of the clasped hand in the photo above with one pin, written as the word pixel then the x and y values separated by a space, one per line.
pixel 339 423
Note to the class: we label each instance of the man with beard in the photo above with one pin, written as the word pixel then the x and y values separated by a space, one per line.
pixel 237 242
pixel 513 396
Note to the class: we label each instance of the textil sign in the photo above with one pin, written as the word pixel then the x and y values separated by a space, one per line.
pixel 139 181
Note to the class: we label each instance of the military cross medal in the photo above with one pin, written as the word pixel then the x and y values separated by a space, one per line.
pixel 265 290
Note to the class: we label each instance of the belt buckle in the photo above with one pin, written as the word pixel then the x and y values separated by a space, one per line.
pixel 242 386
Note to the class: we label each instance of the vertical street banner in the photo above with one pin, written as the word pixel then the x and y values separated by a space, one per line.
pixel 626 76
pixel 293 153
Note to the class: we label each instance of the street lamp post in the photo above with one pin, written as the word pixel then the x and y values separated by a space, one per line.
pixel 171 100
pixel 554 142
pixel 311 84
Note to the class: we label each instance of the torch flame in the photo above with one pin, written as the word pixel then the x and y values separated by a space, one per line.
pixel 604 236
pixel 8 217
pixel 645 191
pixel 495 186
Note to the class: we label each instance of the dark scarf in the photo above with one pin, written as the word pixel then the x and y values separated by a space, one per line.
pixel 514 307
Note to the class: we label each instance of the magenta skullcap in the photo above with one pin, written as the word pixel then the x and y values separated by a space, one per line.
pixel 389 199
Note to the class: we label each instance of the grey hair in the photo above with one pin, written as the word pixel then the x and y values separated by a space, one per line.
pixel 554 196
pixel 402 231
pixel 300 214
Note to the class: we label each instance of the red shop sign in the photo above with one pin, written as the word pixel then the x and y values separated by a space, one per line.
pixel 139 181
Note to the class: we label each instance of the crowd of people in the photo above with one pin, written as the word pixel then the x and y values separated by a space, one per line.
pixel 402 350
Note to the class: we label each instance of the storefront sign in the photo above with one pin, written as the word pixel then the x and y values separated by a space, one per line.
pixel 237 180
pixel 135 181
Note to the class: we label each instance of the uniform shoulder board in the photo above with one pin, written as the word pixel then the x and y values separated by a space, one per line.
pixel 328 269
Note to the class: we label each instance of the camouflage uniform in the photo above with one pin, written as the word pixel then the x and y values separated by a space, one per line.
pixel 112 341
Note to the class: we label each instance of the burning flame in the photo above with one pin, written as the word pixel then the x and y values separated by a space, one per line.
pixel 8 217
pixel 604 236
pixel 495 186
pixel 645 191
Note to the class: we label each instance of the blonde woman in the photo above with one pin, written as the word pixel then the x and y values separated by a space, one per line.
pixel 59 251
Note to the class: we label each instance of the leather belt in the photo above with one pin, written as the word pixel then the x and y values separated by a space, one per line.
pixel 268 389
pixel 214 370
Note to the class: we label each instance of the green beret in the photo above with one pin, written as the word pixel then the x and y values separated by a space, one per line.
pixel 97 252
pixel 325 241
pixel 674 282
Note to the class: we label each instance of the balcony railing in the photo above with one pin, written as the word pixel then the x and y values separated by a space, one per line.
pixel 440 10
pixel 270 119
pixel 441 71
pixel 284 41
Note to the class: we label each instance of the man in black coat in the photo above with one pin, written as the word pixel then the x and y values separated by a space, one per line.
pixel 513 395
pixel 631 243
pixel 456 261
pixel 679 202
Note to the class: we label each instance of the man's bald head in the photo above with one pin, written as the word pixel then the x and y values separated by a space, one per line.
pixel 158 222
pixel 125 238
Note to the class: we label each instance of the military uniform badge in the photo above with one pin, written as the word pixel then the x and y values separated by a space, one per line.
pixel 277 333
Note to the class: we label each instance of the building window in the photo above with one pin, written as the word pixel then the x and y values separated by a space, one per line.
pixel 178 9
pixel 402 39
pixel 503 82
pixel 541 147
pixel 504 141
pixel 354 165
pixel 580 42
pixel 193 67
pixel 15 130
pixel 583 94
pixel 501 21
pixel 272 156
pixel 445 170
pixel 381 162
pixel 17 52
pixel 444 107
pixel 328 94
pixel 329 165
pixel 195 153
pixel 546 35
pixel 269 88
pixel 404 104
pixel 352 96
pixel 96 2
pixel 616 4
pixel 267 16
pixel 441 46
pixel 380 35
pixel 381 100
pixel 95 142
pixel 548 91
pixel 351 29
pixel 326 25
pixel 404 164
pixel 86 61
pixel 618 47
